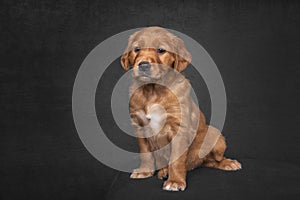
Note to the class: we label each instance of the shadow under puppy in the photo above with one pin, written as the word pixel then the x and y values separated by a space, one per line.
pixel 172 134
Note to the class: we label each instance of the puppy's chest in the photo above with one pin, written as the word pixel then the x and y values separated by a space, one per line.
pixel 151 115
pixel 152 110
pixel 145 97
pixel 150 120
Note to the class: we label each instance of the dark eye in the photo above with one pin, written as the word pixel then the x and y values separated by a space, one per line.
pixel 137 49
pixel 161 50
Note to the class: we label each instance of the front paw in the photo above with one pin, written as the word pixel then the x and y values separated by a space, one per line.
pixel 162 173
pixel 141 173
pixel 172 185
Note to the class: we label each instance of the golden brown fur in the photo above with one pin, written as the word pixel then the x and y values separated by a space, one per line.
pixel 173 109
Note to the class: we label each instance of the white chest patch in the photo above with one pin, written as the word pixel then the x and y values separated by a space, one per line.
pixel 157 115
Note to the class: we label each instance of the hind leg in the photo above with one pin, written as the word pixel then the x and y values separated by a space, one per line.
pixel 216 159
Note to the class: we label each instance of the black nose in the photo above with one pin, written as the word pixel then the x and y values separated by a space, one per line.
pixel 144 66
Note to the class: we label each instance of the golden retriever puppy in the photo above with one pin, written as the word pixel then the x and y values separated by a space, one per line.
pixel 163 113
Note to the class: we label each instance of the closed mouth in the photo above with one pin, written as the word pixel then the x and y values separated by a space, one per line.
pixel 144 74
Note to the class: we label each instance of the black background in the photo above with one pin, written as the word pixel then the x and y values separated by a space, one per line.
pixel 255 45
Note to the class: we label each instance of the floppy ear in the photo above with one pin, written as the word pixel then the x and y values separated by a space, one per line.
pixel 125 60
pixel 182 57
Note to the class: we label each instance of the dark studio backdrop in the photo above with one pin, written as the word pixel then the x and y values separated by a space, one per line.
pixel 255 44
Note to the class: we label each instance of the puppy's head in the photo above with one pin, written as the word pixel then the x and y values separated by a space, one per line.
pixel 152 51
